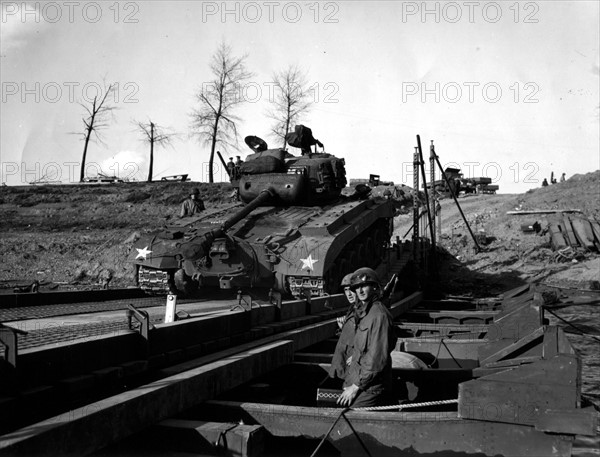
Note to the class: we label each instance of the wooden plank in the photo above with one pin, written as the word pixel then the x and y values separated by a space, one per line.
pixel 596 229
pixel 179 334
pixel 560 370
pixel 550 344
pixel 447 317
pixel 515 292
pixel 517 324
pixel 224 438
pixel 544 211
pixel 312 357
pixel 514 302
pixel 402 306
pixel 571 238
pixel 301 338
pixel 557 238
pixel 119 416
pixel 514 362
pixel 442 329
pixel 513 402
pixel 573 421
pixel 514 347
pixel 564 345
pixel 582 232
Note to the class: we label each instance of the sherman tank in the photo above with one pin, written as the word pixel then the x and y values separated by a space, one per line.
pixel 292 230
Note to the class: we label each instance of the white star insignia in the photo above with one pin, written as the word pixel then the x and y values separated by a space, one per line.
pixel 143 253
pixel 308 262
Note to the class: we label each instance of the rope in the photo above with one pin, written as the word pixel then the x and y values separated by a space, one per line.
pixel 408 405
pixel 449 352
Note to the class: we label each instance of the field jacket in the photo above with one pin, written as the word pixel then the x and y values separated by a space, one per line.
pixel 374 340
pixel 343 349
pixel 190 207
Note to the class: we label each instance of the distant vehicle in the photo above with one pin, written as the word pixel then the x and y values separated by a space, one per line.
pixel 102 179
pixel 175 178
pixel 458 184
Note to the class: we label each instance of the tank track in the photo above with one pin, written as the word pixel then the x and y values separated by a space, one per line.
pixel 155 282
pixel 366 250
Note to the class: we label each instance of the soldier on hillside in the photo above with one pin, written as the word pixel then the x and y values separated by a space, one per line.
pixel 231 168
pixel 192 205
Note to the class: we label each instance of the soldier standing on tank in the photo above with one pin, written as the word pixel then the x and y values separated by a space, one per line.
pixel 231 168
pixel 368 379
pixel 342 355
pixel 193 205
pixel 238 164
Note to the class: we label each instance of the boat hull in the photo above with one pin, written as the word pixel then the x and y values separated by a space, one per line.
pixel 395 434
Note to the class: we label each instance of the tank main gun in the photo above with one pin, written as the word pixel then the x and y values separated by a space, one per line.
pixel 263 197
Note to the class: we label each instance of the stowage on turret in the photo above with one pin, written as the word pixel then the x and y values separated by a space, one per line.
pixel 294 232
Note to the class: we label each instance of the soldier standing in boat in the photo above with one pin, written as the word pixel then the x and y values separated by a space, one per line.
pixel 368 378
pixel 342 355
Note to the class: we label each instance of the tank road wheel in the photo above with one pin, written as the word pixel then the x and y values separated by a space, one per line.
pixel 184 285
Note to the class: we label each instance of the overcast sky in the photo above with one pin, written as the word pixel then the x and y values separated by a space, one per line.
pixel 507 90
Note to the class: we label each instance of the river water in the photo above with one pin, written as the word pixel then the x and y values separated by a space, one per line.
pixel 587 320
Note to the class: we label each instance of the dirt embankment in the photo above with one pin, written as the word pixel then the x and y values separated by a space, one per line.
pixel 511 257
pixel 82 234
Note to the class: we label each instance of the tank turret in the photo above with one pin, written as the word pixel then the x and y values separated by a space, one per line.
pixel 310 179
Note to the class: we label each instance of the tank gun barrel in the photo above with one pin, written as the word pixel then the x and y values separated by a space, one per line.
pixel 262 197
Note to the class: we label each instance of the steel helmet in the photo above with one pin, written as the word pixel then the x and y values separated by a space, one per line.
pixel 347 280
pixel 365 276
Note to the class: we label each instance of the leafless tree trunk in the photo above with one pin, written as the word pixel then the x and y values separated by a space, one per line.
pixel 154 134
pixel 97 119
pixel 290 101
pixel 214 122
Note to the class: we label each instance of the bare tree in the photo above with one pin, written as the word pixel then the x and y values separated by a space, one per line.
pixel 291 99
pixel 154 135
pixel 215 122
pixel 98 115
